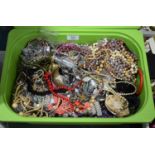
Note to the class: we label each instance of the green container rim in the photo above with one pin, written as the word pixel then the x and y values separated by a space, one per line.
pixel 147 114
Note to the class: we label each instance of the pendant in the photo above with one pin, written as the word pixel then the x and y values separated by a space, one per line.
pixel 117 105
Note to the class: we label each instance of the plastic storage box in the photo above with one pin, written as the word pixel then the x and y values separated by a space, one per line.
pixel 19 37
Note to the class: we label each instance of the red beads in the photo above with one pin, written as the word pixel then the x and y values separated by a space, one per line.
pixel 70 106
pixel 77 103
pixel 47 75
pixel 49 107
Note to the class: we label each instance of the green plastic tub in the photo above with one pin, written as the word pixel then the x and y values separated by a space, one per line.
pixel 19 37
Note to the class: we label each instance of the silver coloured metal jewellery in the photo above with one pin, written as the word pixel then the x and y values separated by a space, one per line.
pixel 73 80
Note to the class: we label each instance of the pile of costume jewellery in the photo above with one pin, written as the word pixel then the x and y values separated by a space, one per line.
pixel 73 80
